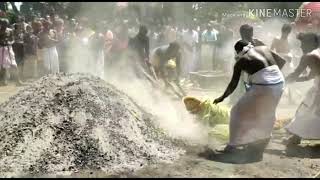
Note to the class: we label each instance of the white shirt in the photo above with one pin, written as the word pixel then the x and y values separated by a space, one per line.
pixel 190 38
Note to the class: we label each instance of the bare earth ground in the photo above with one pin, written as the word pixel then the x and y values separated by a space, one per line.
pixel 278 162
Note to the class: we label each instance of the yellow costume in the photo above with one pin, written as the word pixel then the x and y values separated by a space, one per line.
pixel 212 115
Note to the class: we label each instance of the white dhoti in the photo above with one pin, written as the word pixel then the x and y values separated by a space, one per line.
pixel 7 58
pixel 51 60
pixel 253 116
pixel 306 122
pixel 189 61
pixel 99 65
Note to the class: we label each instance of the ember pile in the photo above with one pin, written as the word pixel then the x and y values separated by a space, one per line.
pixel 66 123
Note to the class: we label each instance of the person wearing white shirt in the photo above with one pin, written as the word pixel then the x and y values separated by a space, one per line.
pixel 209 39
pixel 190 39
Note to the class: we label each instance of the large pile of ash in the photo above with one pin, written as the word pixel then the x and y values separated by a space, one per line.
pixel 68 123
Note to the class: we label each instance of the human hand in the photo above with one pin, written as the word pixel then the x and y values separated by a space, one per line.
pixel 218 100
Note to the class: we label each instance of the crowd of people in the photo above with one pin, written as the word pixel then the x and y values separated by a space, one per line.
pixel 59 44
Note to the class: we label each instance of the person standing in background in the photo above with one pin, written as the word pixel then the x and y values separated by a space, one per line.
pixel 31 48
pixel 140 47
pixel 7 57
pixel 62 44
pixel 209 39
pixel 18 46
pixel 47 42
pixel 189 42
pixel 281 46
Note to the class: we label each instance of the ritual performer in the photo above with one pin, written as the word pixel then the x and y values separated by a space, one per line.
pixel 246 33
pixel 253 116
pixel 306 123
pixel 140 47
pixel 166 62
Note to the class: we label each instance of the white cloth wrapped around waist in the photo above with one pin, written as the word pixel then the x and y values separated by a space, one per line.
pixel 7 58
pixel 270 75
pixel 253 116
pixel 306 122
pixel 51 60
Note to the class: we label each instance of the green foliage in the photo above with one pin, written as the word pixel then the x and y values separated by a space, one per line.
pixel 11 16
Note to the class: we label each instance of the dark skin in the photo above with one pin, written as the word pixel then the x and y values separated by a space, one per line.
pixel 253 61
pixel 165 73
pixel 311 59
pixel 167 55
pixel 7 39
pixel 248 36
pixel 46 40
pixel 6 35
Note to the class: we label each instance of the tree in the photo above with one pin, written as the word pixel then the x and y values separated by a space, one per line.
pixel 3 6
pixel 14 8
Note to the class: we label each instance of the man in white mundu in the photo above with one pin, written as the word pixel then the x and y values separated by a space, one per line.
pixel 253 116
pixel 190 39
pixel 47 42
pixel 306 123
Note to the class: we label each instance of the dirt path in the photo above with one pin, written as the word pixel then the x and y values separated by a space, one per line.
pixel 278 162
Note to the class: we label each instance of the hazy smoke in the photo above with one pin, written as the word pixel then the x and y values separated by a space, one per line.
pixel 172 114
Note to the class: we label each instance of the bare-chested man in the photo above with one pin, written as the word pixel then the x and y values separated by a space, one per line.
pixel 306 122
pixel 246 33
pixel 281 45
pixel 166 61
pixel 253 116
pixel 7 57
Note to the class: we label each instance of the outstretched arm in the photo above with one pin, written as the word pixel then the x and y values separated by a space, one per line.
pixel 279 60
pixel 273 45
pixel 310 76
pixel 178 64
pixel 147 50
pixel 234 81
pixel 301 67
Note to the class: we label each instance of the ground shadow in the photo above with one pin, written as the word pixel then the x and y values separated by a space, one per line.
pixel 312 152
pixel 212 155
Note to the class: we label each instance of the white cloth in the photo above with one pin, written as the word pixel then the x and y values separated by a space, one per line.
pixel 306 122
pixel 209 36
pixel 267 76
pixel 51 60
pixel 253 116
pixel 100 65
pixel 7 58
pixel 190 59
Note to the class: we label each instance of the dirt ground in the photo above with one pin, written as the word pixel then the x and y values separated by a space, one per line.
pixel 302 161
